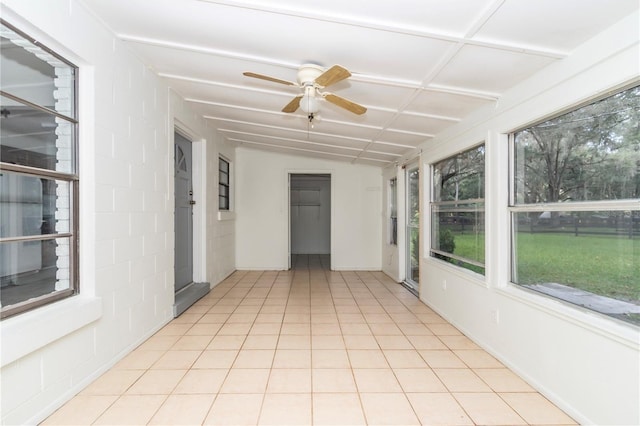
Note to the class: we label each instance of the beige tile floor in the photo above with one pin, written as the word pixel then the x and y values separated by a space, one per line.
pixel 309 346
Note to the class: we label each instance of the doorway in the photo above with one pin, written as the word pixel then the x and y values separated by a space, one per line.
pixel 183 218
pixel 412 220
pixel 309 215
pixel 186 291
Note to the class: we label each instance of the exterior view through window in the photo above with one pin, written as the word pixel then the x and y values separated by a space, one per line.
pixel 38 175
pixel 457 210
pixel 412 176
pixel 393 211
pixel 575 206
pixel 223 184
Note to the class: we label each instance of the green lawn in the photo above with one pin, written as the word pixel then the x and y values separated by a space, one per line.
pixel 470 246
pixel 605 265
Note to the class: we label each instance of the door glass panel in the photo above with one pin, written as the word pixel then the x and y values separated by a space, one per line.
pixel 413 227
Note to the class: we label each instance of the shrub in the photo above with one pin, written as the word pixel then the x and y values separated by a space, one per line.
pixel 447 243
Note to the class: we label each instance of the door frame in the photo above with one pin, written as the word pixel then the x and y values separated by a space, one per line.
pixel 199 182
pixel 287 207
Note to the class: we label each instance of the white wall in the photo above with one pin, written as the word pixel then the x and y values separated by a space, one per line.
pixel 127 116
pixel 587 364
pixel 221 226
pixel 262 210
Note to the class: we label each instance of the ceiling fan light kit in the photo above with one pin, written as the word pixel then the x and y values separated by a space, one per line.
pixel 312 79
pixel 309 102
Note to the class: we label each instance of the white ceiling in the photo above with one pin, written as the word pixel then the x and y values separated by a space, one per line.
pixel 418 66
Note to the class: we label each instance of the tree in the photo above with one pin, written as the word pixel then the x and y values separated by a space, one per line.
pixel 461 177
pixel 592 153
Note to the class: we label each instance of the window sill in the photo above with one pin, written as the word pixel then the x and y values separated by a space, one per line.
pixel 226 215
pixel 601 324
pixel 45 325
pixel 463 273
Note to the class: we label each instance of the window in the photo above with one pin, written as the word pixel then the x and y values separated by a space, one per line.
pixel 457 210
pixel 223 184
pixel 393 211
pixel 38 174
pixel 575 207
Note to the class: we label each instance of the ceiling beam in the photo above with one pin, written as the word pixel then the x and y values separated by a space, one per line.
pixel 235 132
pixel 379 26
pixel 332 135
pixel 242 141
pixel 365 78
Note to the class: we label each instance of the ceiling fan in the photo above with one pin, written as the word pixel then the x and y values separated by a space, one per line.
pixel 312 79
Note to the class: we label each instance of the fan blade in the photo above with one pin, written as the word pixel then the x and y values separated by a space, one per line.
pixel 345 103
pixel 333 75
pixel 293 105
pixel 266 77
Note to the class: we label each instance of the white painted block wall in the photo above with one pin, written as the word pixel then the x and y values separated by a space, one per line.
pixel 587 364
pixel 262 210
pixel 127 115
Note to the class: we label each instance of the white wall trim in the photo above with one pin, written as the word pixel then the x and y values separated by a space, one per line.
pixel 261 268
pixel 375 268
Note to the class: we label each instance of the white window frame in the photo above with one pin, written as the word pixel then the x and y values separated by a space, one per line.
pixel 578 206
pixel 227 185
pixel 67 214
pixel 435 204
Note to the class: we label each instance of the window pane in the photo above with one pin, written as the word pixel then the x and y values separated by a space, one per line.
pixel 414 252
pixel 413 224
pixel 223 178
pixel 590 258
pixel 33 74
pixel 393 197
pixel 30 269
pixel 460 177
pixel 459 229
pixel 28 205
pixel 592 153
pixel 223 203
pixel 31 137
pixel 223 165
pixel 393 211
pixel 223 184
